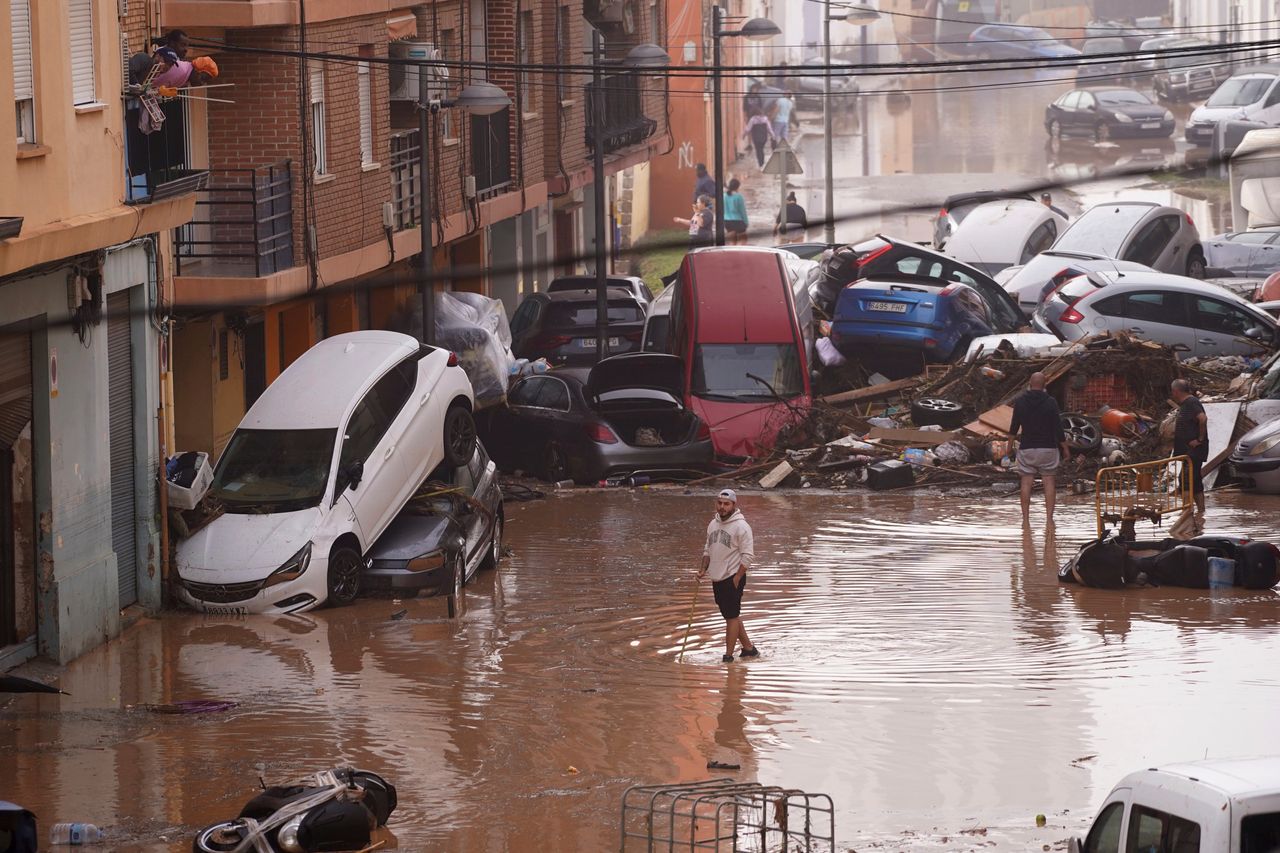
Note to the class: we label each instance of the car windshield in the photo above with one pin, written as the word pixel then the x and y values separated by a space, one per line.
pixel 1122 97
pixel 575 314
pixel 274 470
pixel 1102 230
pixel 726 371
pixel 1240 92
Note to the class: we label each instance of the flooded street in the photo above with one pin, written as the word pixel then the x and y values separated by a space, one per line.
pixel 920 664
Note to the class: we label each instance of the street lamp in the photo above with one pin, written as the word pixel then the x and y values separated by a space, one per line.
pixel 756 29
pixel 859 15
pixel 641 56
pixel 481 98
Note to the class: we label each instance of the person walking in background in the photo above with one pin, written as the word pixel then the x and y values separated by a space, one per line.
pixel 759 131
pixel 703 183
pixel 783 109
pixel 701 223
pixel 726 557
pixel 792 224
pixel 1042 445
pixel 734 210
pixel 1191 439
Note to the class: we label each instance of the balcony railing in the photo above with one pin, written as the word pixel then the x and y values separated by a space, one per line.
pixel 491 153
pixel 156 162
pixel 625 123
pixel 405 163
pixel 243 224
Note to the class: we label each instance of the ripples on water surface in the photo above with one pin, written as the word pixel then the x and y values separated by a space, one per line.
pixel 921 664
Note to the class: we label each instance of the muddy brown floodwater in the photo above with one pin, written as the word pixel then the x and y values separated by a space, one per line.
pixel 920 664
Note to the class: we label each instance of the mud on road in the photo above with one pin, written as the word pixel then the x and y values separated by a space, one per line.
pixel 920 664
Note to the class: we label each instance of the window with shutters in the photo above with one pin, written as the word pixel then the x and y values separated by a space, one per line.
pixel 80 52
pixel 364 93
pixel 319 152
pixel 24 94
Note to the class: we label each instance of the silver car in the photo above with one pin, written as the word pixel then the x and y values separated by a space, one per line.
pixel 1248 254
pixel 1036 279
pixel 1255 462
pixel 1196 318
pixel 1154 235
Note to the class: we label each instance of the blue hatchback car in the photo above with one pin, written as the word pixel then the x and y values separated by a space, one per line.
pixel 1003 41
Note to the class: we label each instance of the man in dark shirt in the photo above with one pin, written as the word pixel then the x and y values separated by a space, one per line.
pixel 703 183
pixel 1191 437
pixel 1042 446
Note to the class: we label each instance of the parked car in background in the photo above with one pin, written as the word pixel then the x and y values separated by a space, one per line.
pixel 442 538
pixel 1161 237
pixel 561 326
pixel 1198 318
pixel 318 468
pixel 1006 41
pixel 1184 77
pixel 1251 94
pixel 896 324
pixel 1150 64
pixel 999 234
pixel 736 325
pixel 808 87
pixel 1031 282
pixel 657 323
pixel 1104 60
pixel 1255 461
pixel 1130 34
pixel 1103 113
pixel 633 284
pixel 1248 254
pixel 626 415
pixel 1216 806
pixel 956 207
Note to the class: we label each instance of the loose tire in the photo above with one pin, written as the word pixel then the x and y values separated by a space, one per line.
pixel 459 436
pixel 935 411
pixel 345 567
pixel 1083 435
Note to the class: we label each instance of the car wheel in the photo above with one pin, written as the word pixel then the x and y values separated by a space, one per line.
pixel 459 436
pixel 495 543
pixel 555 467
pixel 458 575
pixel 935 411
pixel 1197 267
pixel 1083 435
pixel 1102 133
pixel 220 837
pixel 345 567
pixel 1055 129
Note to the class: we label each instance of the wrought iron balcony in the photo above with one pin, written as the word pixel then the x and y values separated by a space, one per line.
pixel 625 123
pixel 243 224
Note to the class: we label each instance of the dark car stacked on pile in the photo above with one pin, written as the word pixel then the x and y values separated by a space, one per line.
pixel 561 326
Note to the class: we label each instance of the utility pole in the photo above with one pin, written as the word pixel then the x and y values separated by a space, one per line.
pixel 829 229
pixel 426 284
pixel 718 121
pixel 597 161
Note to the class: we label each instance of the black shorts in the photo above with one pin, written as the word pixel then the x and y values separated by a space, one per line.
pixel 735 226
pixel 729 596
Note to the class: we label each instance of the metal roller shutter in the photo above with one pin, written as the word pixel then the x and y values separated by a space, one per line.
pixel 15 383
pixel 120 432
pixel 80 52
pixel 20 15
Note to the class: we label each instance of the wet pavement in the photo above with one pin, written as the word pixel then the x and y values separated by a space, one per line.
pixel 920 664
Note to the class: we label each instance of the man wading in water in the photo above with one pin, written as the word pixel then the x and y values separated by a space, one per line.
pixel 729 551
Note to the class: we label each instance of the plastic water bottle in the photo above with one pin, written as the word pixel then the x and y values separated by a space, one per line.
pixel 75 833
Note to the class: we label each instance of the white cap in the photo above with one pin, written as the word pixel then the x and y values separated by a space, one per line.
pixel 729 495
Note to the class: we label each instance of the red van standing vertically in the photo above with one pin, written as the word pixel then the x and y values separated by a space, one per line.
pixel 734 322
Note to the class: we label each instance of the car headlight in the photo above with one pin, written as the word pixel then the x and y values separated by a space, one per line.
pixel 1266 444
pixel 293 568
pixel 1122 118
pixel 426 562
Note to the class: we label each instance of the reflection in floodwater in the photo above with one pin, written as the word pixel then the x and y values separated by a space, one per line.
pixel 921 664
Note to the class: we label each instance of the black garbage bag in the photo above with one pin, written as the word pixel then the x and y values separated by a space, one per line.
pixel 1103 563
pixel 1184 565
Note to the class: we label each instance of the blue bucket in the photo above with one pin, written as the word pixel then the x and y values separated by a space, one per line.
pixel 1222 573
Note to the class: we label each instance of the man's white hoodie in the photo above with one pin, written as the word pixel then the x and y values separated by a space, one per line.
pixel 729 545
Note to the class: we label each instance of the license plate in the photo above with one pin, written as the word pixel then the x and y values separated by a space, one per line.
pixel 1150 125
pixel 892 307
pixel 590 343
pixel 224 611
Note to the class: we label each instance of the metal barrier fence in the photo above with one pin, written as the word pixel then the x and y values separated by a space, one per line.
pixel 726 816
pixel 1151 490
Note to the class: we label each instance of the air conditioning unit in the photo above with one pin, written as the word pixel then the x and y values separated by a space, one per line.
pixel 403 78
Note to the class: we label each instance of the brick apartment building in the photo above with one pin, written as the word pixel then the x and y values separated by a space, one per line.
pixel 309 224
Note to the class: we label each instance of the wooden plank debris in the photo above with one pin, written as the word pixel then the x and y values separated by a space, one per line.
pixel 777 475
pixel 874 392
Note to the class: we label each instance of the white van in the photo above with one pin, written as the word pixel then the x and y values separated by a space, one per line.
pixel 1252 95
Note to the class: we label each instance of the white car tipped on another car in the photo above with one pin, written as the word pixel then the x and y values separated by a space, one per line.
pixel 1154 235
pixel 317 469
pixel 1031 282
pixel 1000 234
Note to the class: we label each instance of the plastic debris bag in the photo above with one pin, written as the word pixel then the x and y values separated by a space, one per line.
pixel 952 453
pixel 475 328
